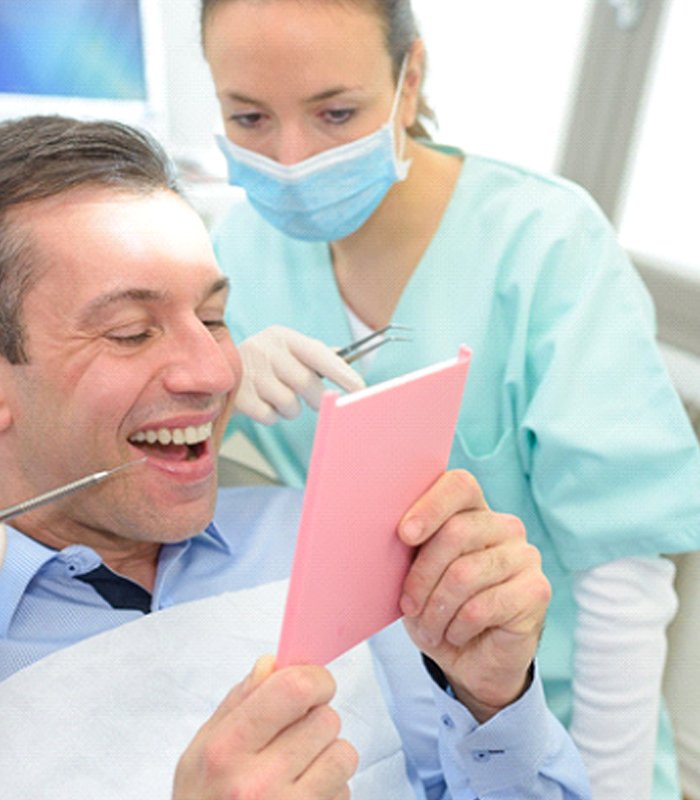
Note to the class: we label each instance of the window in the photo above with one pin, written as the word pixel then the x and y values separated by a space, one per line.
pixel 501 73
pixel 661 210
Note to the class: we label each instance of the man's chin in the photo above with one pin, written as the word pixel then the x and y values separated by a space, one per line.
pixel 174 522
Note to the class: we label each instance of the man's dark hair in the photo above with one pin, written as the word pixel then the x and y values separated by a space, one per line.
pixel 44 156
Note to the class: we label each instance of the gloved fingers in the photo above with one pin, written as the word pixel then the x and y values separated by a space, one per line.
pixel 302 380
pixel 281 367
pixel 323 360
pixel 282 398
pixel 248 402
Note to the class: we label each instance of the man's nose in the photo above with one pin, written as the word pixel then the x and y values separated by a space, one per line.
pixel 201 363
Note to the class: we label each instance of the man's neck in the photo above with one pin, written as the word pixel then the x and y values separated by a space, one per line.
pixel 135 560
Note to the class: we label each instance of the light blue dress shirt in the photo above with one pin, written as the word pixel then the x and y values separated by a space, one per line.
pixel 523 752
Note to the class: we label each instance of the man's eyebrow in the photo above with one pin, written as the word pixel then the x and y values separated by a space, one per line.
pixel 138 295
pixel 104 301
pixel 220 285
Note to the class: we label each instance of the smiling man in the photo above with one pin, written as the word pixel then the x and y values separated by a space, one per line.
pixel 124 353
pixel 113 350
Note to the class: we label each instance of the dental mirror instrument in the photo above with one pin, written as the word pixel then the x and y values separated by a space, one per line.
pixel 62 491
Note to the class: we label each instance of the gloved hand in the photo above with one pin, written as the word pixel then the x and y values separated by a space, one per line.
pixel 280 365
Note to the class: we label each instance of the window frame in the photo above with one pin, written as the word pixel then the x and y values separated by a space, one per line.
pixel 599 142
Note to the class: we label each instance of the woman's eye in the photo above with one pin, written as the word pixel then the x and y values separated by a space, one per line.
pixel 337 116
pixel 249 120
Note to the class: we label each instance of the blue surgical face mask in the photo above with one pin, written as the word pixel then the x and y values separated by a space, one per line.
pixel 325 197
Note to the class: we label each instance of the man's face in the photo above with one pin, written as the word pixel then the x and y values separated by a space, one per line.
pixel 128 357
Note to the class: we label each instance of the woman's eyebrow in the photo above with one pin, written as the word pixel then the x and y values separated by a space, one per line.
pixel 326 94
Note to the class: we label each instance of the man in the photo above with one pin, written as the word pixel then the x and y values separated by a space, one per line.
pixel 113 349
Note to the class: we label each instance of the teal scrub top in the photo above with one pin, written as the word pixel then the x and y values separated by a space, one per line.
pixel 569 420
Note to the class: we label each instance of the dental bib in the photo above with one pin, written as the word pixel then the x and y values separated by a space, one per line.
pixel 109 717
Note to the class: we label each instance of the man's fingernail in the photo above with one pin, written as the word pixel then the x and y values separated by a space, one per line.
pixel 412 531
pixel 264 667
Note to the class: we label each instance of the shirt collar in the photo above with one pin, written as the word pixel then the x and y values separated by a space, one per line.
pixel 23 560
pixel 25 557
pixel 214 534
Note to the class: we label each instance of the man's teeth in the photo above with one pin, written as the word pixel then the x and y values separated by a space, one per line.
pixel 189 435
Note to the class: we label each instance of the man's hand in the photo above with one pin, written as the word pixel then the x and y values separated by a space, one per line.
pixel 274 736
pixel 475 597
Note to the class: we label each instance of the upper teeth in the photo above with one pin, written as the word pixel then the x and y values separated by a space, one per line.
pixel 189 435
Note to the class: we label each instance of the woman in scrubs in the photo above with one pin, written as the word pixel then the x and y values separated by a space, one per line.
pixel 354 219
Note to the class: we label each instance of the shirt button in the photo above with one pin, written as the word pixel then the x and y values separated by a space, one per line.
pixel 482 756
pixel 447 721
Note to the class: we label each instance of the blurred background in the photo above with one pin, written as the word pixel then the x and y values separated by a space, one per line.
pixel 600 91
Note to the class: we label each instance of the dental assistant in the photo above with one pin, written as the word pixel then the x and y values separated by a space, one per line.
pixel 354 219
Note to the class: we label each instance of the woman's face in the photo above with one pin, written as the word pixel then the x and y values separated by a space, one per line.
pixel 294 79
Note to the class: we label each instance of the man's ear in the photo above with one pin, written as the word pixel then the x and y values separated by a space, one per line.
pixel 5 412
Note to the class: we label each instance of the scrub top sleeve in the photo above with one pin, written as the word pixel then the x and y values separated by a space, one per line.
pixel 613 464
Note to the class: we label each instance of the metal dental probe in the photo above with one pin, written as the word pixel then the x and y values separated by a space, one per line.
pixel 62 491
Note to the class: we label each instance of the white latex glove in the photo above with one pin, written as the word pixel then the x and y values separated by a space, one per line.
pixel 280 365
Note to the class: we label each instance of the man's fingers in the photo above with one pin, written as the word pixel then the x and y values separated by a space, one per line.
pixel 252 717
pixel 454 491
pixel 517 608
pixel 262 669
pixel 280 701
pixel 507 612
pixel 274 735
pixel 289 755
pixel 439 599
pixel 464 553
pixel 330 772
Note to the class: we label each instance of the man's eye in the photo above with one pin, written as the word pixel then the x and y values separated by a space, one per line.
pixel 214 324
pixel 131 338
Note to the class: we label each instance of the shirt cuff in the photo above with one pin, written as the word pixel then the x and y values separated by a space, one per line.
pixel 506 751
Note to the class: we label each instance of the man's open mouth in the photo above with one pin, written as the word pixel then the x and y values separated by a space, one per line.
pixel 173 444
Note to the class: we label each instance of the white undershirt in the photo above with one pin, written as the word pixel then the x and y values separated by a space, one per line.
pixel 620 639
pixel 359 330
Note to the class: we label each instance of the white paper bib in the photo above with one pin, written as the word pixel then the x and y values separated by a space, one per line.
pixel 109 717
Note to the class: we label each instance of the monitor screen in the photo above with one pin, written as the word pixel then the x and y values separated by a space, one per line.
pixel 86 58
